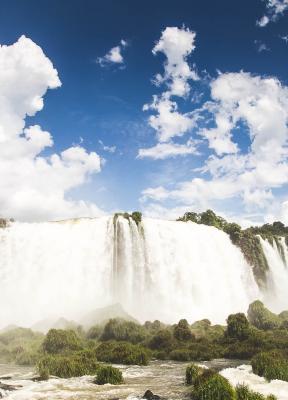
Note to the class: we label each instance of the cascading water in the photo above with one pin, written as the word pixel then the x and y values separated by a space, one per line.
pixel 159 269
pixel 277 279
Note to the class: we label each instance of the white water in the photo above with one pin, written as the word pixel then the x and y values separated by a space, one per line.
pixel 244 374
pixel 163 378
pixel 277 277
pixel 171 271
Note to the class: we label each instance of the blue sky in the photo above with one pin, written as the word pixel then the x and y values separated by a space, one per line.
pixel 100 104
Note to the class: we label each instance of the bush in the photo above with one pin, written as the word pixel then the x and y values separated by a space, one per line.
pixel 94 332
pixel 77 364
pixel 204 351
pixel 182 331
pixel 213 387
pixel 244 393
pixel 108 374
pixel 117 329
pixel 238 326
pixel 180 355
pixel 271 365
pixel 163 340
pixel 192 373
pixel 122 353
pixel 60 340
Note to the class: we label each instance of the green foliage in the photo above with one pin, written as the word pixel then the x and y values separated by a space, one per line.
pixel 244 393
pixel 153 327
pixel 247 240
pixel 121 330
pixel 204 350
pixel 180 355
pixel 275 229
pixel 162 340
pixel 68 366
pixel 260 317
pixel 271 365
pixel 60 340
pixel 122 353
pixel 192 373
pixel 238 326
pixel 109 374
pixel 94 332
pixel 182 331
pixel 137 217
pixel 20 346
pixel 213 387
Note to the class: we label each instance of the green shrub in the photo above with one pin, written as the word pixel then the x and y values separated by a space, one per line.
pixel 204 351
pixel 244 393
pixel 182 331
pixel 108 374
pixel 121 330
pixel 271 365
pixel 94 332
pixel 162 340
pixel 60 340
pixel 64 366
pixel 122 353
pixel 192 373
pixel 214 387
pixel 238 326
pixel 180 355
pixel 137 217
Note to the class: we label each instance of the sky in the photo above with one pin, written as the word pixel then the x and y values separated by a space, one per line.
pixel 162 107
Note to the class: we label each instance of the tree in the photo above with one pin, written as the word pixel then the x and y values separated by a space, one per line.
pixel 238 326
pixel 60 340
pixel 182 331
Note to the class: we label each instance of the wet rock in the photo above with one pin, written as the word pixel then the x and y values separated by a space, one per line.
pixel 38 379
pixel 148 395
pixel 4 386
pixel 5 377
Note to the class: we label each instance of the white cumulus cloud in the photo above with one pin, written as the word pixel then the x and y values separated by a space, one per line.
pixel 275 8
pixel 33 186
pixel 176 44
pixel 260 103
pixel 114 55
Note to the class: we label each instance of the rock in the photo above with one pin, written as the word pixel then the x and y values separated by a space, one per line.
pixel 4 386
pixel 148 395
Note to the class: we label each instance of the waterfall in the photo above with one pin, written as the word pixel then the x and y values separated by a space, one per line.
pixel 157 270
pixel 277 257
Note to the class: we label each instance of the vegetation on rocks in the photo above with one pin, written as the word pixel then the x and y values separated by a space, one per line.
pixel 246 239
pixel 244 393
pixel 270 365
pixel 260 317
pixel 60 340
pixel 192 374
pixel 122 353
pixel 109 374
pixel 68 366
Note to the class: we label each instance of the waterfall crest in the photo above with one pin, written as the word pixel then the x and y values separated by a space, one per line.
pixel 276 254
pixel 157 270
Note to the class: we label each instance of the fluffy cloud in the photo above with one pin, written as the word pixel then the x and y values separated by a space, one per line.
pixel 34 187
pixel 114 55
pixel 165 150
pixel 275 8
pixel 262 105
pixel 176 44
